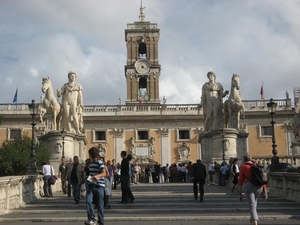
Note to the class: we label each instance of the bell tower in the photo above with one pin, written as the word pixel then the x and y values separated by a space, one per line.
pixel 142 69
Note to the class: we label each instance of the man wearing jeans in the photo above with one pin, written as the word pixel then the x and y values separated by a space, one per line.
pixel 95 185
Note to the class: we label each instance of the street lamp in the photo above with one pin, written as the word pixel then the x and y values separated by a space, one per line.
pixel 63 135
pixel 272 109
pixel 32 168
pixel 223 142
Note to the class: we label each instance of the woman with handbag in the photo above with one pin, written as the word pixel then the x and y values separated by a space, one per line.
pixel 47 172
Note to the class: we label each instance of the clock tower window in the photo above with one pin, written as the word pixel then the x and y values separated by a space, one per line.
pixel 143 82
pixel 143 93
pixel 142 50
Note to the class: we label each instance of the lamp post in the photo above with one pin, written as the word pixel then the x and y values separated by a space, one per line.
pixel 223 143
pixel 63 135
pixel 32 168
pixel 272 109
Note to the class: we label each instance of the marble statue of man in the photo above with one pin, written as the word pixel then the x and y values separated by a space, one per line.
pixel 72 105
pixel 212 102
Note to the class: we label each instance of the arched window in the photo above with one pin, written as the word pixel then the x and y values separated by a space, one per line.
pixel 142 50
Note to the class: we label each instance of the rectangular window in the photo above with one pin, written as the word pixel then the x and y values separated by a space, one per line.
pixel 184 134
pixel 15 134
pixel 266 131
pixel 143 135
pixel 100 136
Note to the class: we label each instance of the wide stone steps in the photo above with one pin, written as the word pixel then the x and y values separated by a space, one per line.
pixel 174 201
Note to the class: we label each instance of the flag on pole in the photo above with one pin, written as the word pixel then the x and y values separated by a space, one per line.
pixel 262 92
pixel 16 96
pixel 140 97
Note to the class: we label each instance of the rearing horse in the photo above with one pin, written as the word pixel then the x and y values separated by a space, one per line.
pixel 50 104
pixel 234 107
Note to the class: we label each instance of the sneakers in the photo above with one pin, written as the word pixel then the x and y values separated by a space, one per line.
pixel 91 222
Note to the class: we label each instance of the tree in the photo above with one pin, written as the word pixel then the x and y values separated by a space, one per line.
pixel 15 155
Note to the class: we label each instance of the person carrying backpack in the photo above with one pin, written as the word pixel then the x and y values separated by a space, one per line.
pixel 252 192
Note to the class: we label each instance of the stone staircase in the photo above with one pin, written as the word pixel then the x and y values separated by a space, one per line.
pixel 157 202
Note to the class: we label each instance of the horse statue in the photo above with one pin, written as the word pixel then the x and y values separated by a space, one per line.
pixel 50 104
pixel 234 107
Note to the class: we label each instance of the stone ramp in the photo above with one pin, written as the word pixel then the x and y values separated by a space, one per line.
pixel 155 202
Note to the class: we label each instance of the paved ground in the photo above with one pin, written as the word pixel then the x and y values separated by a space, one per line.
pixel 160 204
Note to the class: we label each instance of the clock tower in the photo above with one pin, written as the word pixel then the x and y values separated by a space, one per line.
pixel 142 69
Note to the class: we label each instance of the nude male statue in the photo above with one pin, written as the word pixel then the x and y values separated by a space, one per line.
pixel 72 105
pixel 212 102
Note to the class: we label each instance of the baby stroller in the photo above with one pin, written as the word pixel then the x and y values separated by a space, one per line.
pixel 107 193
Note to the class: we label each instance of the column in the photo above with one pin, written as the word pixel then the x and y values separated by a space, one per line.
pixel 119 133
pixel 165 153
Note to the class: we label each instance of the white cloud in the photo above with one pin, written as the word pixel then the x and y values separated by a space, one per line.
pixel 259 40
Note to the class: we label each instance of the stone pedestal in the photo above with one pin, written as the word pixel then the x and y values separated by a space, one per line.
pixel 75 145
pixel 234 140
pixel 296 152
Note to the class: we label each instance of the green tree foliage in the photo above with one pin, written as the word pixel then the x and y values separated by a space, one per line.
pixel 15 156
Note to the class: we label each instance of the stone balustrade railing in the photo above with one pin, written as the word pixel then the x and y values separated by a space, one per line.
pixel 16 191
pixel 170 109
pixel 284 185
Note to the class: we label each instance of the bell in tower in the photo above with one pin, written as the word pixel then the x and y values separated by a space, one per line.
pixel 142 70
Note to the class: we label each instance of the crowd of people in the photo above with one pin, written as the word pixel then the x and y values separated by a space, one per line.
pixel 95 179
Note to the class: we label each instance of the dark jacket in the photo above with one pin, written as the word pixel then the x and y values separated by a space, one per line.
pixel 199 171
pixel 125 167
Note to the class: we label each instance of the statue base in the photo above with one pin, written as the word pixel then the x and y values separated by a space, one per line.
pixel 74 145
pixel 213 144
pixel 296 153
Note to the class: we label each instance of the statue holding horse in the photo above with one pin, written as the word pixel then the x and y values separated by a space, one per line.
pixel 50 104
pixel 234 107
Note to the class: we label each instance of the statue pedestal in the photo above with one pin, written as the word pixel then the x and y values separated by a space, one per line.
pixel 296 152
pixel 75 145
pixel 212 145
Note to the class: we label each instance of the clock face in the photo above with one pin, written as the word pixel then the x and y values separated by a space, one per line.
pixel 142 66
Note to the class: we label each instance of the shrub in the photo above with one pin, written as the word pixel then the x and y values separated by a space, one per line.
pixel 15 156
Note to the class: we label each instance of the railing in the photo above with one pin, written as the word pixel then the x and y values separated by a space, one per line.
pixel 16 191
pixel 285 185
pixel 142 25
pixel 263 103
pixel 282 104
pixel 14 107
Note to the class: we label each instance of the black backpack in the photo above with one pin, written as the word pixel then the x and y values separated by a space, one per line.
pixel 259 175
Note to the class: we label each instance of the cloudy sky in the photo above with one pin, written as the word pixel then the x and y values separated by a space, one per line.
pixel 259 40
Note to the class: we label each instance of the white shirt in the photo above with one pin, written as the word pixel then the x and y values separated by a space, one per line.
pixel 47 170
pixel 211 167
pixel 237 169
pixel 182 169
pixel 137 169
